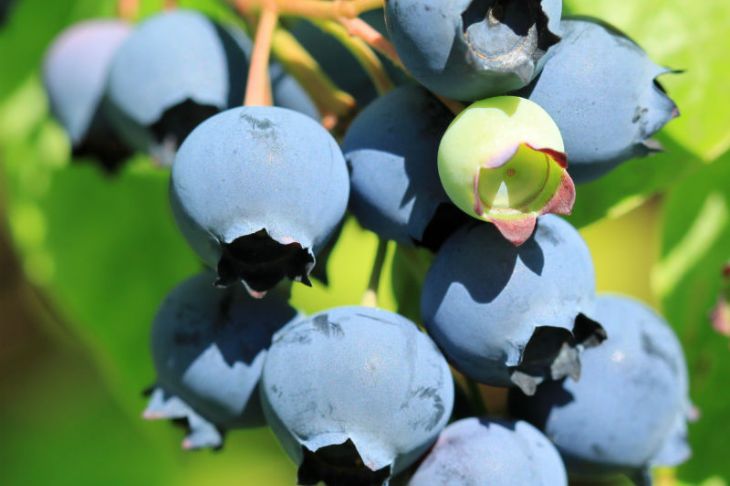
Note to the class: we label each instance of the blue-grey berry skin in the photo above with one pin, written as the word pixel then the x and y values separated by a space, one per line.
pixel 629 410
pixel 208 348
pixel 391 150
pixel 355 394
pixel 512 316
pixel 474 452
pixel 473 49
pixel 258 191
pixel 602 91
pixel 75 70
pixel 162 83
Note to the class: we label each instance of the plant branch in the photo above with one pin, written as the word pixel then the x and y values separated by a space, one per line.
pixel 258 86
pixel 454 106
pixel 361 51
pixel 362 30
pixel 128 9
pixel 332 102
pixel 319 9
pixel 370 299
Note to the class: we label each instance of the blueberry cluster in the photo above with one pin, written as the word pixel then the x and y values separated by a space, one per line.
pixel 360 395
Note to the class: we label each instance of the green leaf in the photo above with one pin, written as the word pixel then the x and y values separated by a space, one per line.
pixel 348 269
pixel 688 35
pixel 31 28
pixel 695 245
pixel 632 183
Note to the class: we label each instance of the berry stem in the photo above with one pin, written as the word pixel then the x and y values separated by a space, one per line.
pixel 361 51
pixel 332 102
pixel 477 401
pixel 313 9
pixel 258 87
pixel 128 9
pixel 454 106
pixel 362 30
pixel 370 298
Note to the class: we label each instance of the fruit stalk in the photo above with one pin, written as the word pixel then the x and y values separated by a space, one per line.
pixel 361 51
pixel 332 102
pixel 128 9
pixel 258 88
pixel 454 106
pixel 362 30
pixel 319 9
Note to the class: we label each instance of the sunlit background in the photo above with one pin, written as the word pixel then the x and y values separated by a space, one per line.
pixel 85 259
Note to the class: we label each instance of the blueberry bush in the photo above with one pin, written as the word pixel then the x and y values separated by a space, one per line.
pixel 359 242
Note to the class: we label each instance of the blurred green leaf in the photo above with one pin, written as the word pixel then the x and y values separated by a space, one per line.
pixel 348 269
pixel 30 29
pixel 695 245
pixel 687 35
pixel 632 183
pixel 408 273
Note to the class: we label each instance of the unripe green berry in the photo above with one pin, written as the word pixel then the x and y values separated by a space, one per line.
pixel 502 160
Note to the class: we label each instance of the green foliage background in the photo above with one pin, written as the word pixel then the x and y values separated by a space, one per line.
pixel 99 253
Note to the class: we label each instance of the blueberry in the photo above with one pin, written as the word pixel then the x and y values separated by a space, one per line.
pixel 502 160
pixel 75 70
pixel 355 395
pixel 630 407
pixel 209 347
pixel 473 49
pixel 602 91
pixel 391 150
pixel 475 451
pixel 163 83
pixel 512 316
pixel 258 191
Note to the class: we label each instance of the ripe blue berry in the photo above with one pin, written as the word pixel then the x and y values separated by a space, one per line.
pixel 501 453
pixel 391 150
pixel 163 84
pixel 602 91
pixel 629 409
pixel 74 74
pixel 355 394
pixel 208 347
pixel 512 316
pixel 473 49
pixel 258 191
